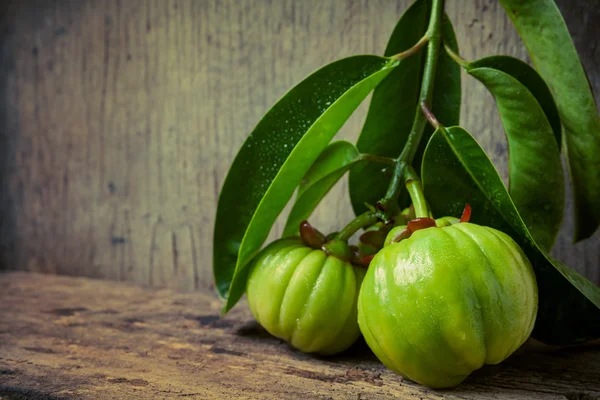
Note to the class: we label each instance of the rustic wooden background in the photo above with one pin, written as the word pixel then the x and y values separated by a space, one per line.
pixel 119 119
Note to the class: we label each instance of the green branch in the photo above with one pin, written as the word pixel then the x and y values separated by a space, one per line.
pixel 387 207
pixel 363 220
pixel 434 33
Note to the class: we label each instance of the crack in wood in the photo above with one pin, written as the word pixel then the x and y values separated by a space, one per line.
pixel 175 253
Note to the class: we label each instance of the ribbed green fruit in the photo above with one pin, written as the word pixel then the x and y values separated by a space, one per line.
pixel 442 303
pixel 305 296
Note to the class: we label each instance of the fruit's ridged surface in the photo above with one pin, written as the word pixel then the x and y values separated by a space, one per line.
pixel 305 297
pixel 440 304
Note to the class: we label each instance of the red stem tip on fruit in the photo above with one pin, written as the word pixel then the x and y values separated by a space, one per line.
pixel 420 223
pixel 415 225
pixel 310 236
pixel 466 215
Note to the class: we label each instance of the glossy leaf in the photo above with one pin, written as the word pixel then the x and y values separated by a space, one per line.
pixel 275 157
pixel 528 77
pixel 535 170
pixel 457 171
pixel 394 104
pixel 547 39
pixel 331 165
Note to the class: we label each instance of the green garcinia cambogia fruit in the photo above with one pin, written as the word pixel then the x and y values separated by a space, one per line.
pixel 305 296
pixel 445 301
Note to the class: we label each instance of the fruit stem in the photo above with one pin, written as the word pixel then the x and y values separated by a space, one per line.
pixel 415 190
pixel 434 35
pixel 363 220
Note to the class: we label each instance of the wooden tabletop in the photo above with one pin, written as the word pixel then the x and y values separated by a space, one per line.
pixel 77 338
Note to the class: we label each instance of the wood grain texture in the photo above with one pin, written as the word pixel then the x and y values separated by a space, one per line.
pixel 78 338
pixel 119 119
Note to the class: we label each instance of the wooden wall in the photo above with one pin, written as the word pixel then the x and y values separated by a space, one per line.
pixel 119 119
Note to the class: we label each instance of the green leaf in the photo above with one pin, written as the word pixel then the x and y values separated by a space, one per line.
pixel 275 157
pixel 535 170
pixel 528 77
pixel 547 39
pixel 457 171
pixel 331 165
pixel 394 102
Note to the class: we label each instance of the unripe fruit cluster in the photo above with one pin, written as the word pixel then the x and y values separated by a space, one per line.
pixel 438 301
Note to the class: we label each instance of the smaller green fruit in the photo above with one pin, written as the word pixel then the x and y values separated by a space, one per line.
pixel 305 296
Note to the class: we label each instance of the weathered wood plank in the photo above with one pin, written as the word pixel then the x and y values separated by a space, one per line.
pixel 77 338
pixel 119 119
